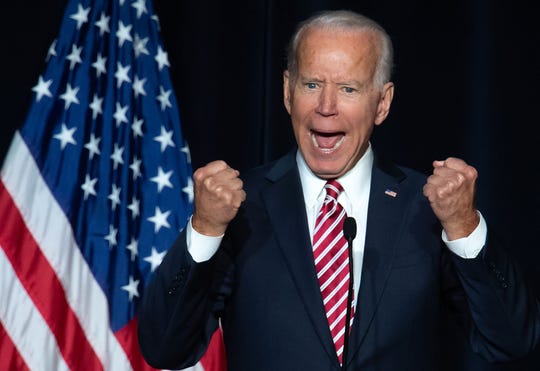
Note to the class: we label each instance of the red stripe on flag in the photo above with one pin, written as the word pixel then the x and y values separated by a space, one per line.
pixel 41 283
pixel 214 358
pixel 10 356
pixel 127 337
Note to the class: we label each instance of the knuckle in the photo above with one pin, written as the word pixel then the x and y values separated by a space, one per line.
pixel 218 164
pixel 471 172
pixel 441 192
pixel 209 183
pixel 198 175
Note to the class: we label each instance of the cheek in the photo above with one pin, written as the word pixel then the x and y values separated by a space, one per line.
pixel 361 116
pixel 300 131
pixel 361 130
pixel 300 113
pixel 303 104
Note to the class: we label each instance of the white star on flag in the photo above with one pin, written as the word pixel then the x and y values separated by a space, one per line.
pixel 115 196
pixel 160 219
pixel 111 237
pixel 134 207
pixel 163 98
pixel 139 46
pixel 138 86
pixel 66 136
pixel 89 186
pixel 140 5
pixel 120 114
pixel 70 96
pixel 123 33
pixel 81 16
pixel 52 51
pixel 117 155
pixel 96 106
pixel 42 88
pixel 162 179
pixel 103 24
pixel 121 74
pixel 136 168
pixel 99 65
pixel 75 56
pixel 132 288
pixel 165 138
pixel 133 247
pixel 162 58
pixel 155 258
pixel 93 146
pixel 188 189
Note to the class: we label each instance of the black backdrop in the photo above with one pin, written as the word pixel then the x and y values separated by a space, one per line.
pixel 467 76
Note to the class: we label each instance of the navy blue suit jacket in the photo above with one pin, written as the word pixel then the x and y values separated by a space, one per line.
pixel 262 285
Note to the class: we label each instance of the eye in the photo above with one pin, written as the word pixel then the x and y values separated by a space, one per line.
pixel 348 89
pixel 311 85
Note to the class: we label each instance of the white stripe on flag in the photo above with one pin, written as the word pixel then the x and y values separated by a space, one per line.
pixel 24 324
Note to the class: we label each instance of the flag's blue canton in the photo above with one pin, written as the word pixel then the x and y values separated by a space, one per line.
pixel 104 130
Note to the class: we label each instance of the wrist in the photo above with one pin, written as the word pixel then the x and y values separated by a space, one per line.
pixel 462 227
pixel 207 228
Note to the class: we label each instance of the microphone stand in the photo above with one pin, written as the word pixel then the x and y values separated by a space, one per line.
pixel 349 232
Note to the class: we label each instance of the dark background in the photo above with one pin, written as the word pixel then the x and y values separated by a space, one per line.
pixel 467 84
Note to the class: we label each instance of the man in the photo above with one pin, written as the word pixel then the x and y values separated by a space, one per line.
pixel 251 255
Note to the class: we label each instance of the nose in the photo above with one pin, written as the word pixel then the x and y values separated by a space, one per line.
pixel 327 101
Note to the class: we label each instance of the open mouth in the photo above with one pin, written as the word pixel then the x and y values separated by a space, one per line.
pixel 327 142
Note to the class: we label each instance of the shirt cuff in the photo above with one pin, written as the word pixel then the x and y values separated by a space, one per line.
pixel 469 247
pixel 201 247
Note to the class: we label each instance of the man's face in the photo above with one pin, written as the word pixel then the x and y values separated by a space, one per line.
pixel 333 102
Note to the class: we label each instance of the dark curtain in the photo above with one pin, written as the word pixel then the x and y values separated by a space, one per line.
pixel 466 72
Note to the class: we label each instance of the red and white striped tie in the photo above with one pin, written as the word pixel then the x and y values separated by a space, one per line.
pixel 332 262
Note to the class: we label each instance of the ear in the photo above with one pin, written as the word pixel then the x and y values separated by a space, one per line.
pixel 286 91
pixel 385 101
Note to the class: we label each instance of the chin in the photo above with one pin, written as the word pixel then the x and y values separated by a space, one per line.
pixel 326 170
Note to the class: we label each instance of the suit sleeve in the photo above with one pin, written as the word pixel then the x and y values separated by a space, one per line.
pixel 504 313
pixel 180 307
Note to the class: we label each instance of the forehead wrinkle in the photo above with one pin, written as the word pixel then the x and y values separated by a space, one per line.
pixel 320 52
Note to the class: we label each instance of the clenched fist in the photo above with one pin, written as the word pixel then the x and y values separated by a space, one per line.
pixel 218 196
pixel 450 190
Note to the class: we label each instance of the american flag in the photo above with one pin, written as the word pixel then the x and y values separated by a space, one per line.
pixel 95 187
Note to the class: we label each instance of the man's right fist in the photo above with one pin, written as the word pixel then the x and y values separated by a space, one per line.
pixel 218 195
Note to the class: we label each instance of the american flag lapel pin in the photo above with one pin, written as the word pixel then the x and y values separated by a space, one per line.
pixel 390 193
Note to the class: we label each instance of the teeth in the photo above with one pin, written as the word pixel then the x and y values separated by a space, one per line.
pixel 326 150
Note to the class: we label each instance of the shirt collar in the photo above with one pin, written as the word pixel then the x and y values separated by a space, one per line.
pixel 355 182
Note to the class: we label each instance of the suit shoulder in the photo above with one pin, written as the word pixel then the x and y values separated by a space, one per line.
pixel 269 172
pixel 399 172
pixel 413 174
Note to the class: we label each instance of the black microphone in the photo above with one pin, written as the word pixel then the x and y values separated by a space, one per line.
pixel 349 229
pixel 349 232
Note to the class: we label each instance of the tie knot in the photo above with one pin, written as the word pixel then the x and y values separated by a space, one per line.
pixel 333 189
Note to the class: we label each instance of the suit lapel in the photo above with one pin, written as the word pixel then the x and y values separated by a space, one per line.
pixel 284 202
pixel 385 212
